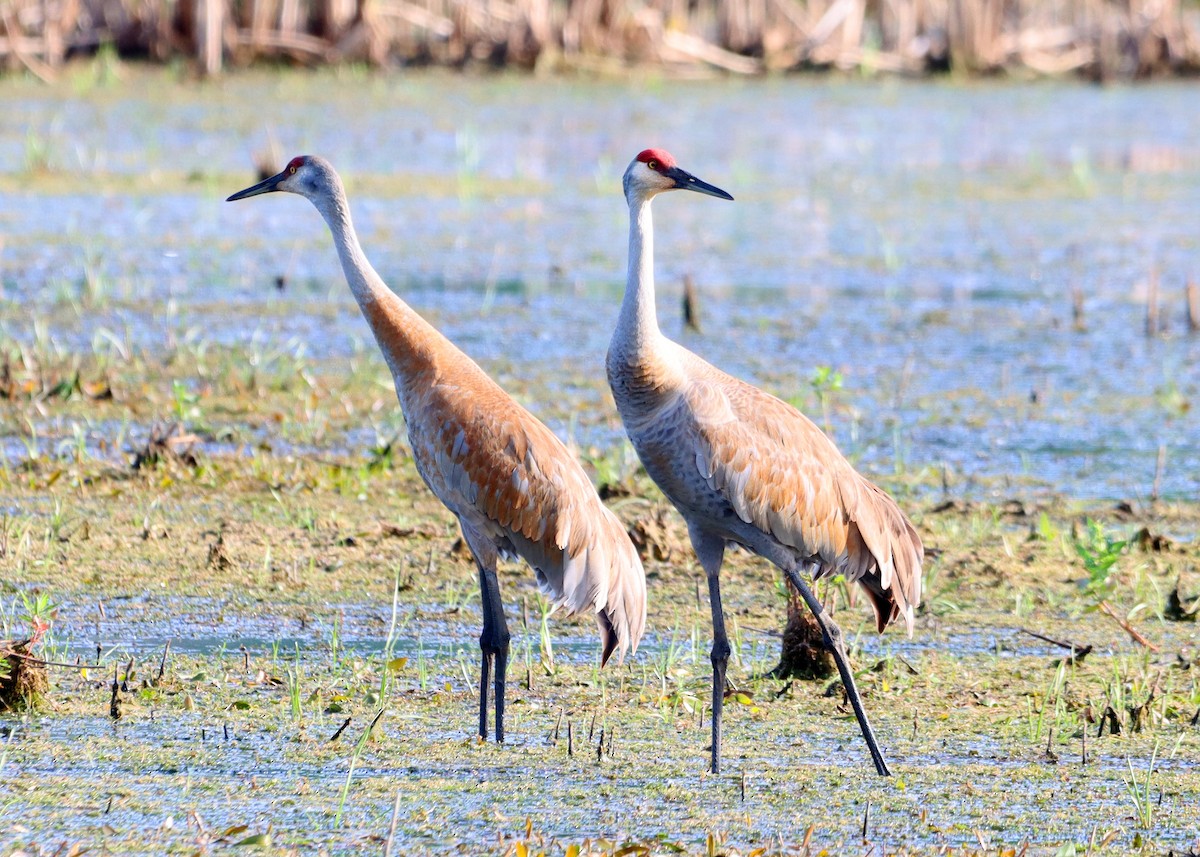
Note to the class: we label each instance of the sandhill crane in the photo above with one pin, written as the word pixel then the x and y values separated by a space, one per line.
pixel 513 486
pixel 745 468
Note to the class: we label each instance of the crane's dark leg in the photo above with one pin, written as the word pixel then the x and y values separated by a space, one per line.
pixel 493 641
pixel 494 644
pixel 483 674
pixel 710 550
pixel 833 641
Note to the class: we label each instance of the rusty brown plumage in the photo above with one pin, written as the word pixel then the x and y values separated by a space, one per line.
pixel 783 475
pixel 514 487
pixel 503 472
pixel 746 468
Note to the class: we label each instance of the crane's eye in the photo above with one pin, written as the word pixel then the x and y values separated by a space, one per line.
pixel 292 170
pixel 652 165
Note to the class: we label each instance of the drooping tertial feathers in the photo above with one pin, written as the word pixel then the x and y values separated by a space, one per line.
pixel 514 487
pixel 744 467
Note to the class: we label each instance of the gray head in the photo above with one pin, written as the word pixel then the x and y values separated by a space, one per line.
pixel 307 175
pixel 654 171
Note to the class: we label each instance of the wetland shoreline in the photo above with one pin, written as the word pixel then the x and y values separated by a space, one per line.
pixel 201 446
pixel 273 576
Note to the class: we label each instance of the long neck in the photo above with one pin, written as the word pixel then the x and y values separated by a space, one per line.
pixel 637 325
pixel 407 341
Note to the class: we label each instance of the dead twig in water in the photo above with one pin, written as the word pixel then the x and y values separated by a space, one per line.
pixel 691 305
pixel 38 661
pixel 162 665
pixel 1133 632
pixel 1078 653
pixel 340 730
pixel 114 705
pixel 1152 303
pixel 391 837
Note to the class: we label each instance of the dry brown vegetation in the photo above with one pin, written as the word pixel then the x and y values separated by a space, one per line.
pixel 1100 39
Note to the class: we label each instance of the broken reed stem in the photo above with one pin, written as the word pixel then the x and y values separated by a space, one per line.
pixel 9 653
pixel 339 731
pixel 1192 293
pixel 1077 308
pixel 162 665
pixel 114 705
pixel 1152 303
pixel 1133 632
pixel 1160 464
pixel 691 305
pixel 903 37
pixel 1072 647
pixel 391 837
pixel 570 738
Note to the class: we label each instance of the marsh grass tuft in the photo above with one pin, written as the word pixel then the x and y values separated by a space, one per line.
pixel 1139 791
pixel 354 757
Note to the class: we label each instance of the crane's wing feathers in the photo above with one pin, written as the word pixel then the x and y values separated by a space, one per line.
pixel 516 480
pixel 781 474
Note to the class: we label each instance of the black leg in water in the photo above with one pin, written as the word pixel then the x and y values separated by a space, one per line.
pixel 833 640
pixel 710 550
pixel 720 661
pixel 493 643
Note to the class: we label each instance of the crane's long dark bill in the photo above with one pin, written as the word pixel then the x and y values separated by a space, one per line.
pixel 686 181
pixel 262 187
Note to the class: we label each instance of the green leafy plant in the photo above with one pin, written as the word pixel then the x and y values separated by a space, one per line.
pixel 39 612
pixel 1046 531
pixel 1099 553
pixel 825 382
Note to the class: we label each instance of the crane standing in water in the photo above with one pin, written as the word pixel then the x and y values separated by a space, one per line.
pixel 745 468
pixel 511 483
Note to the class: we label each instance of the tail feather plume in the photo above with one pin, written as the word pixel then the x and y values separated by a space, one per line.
pixel 884 555
pixel 604 576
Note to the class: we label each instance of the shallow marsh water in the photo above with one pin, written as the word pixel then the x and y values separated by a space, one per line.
pixel 295 561
pixel 922 240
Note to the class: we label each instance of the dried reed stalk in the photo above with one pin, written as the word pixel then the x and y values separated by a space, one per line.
pixel 1099 39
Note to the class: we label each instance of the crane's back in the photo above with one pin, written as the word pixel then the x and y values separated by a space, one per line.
pixel 742 464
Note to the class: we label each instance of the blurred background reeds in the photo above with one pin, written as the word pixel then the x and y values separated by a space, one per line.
pixel 1096 39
